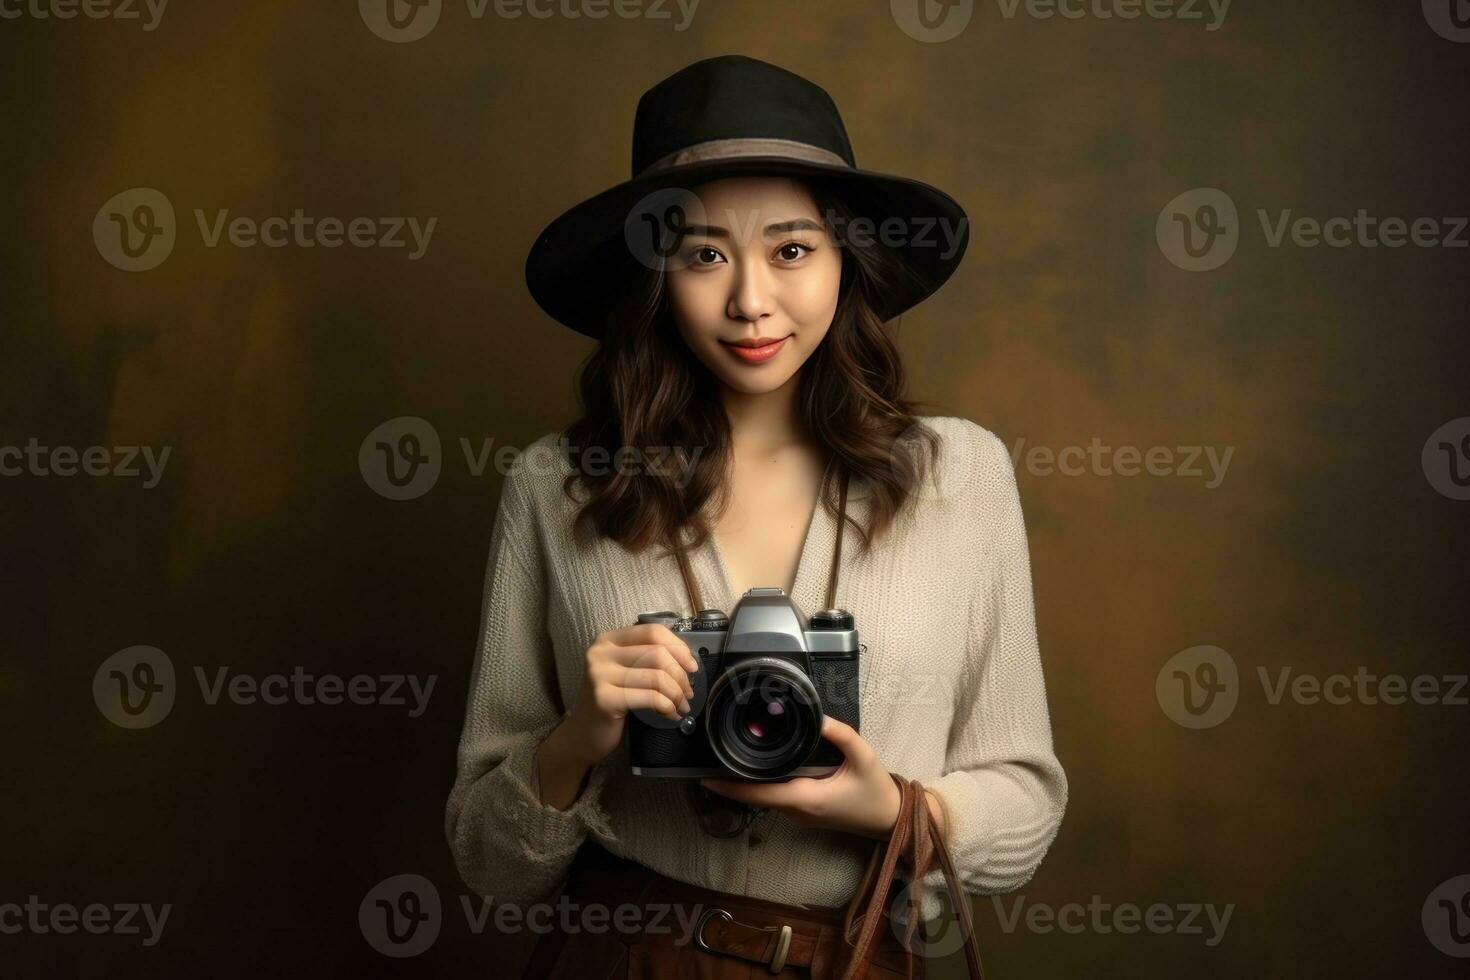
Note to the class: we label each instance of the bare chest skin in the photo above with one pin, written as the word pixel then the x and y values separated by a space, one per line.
pixel 761 533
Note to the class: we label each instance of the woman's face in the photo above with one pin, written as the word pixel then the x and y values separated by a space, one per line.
pixel 753 287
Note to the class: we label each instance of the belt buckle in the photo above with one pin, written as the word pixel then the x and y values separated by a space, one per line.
pixel 783 942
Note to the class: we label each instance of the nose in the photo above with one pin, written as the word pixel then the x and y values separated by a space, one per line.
pixel 751 295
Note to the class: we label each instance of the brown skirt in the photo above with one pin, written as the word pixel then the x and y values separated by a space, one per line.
pixel 618 919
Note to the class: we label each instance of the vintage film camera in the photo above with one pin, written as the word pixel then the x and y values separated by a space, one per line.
pixel 766 678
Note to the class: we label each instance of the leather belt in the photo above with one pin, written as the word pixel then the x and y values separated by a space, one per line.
pixel 760 938
pixel 773 935
pixel 771 946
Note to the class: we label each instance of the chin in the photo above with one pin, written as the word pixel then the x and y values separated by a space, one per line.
pixel 756 383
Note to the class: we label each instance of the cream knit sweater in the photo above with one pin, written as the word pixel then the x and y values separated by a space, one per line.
pixel 951 691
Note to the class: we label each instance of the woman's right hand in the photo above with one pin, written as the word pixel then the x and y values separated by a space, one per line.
pixel 643 666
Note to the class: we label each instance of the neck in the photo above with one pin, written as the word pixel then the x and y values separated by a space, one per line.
pixel 765 423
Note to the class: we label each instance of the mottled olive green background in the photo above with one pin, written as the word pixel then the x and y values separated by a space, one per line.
pixel 1324 548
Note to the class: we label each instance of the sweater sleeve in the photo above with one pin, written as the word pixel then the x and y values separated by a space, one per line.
pixel 1003 791
pixel 507 844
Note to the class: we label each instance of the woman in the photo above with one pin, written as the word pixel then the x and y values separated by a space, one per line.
pixel 743 418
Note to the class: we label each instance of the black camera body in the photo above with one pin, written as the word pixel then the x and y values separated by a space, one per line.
pixel 766 678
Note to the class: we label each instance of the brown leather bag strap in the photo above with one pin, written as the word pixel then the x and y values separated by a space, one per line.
pixel 873 915
pixel 915 837
pixel 691 587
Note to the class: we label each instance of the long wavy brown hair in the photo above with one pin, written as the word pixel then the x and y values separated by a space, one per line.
pixel 643 388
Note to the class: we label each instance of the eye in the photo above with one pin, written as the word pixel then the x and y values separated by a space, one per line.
pixel 704 255
pixel 802 249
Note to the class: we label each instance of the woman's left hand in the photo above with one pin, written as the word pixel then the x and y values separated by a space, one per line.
pixel 860 797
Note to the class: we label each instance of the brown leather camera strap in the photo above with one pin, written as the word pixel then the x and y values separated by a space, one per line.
pixel 691 587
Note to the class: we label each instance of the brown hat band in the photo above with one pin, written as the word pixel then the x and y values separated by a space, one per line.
pixel 744 146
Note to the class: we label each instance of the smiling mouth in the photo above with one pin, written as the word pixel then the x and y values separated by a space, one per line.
pixel 756 351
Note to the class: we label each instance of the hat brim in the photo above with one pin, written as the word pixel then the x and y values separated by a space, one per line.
pixel 582 257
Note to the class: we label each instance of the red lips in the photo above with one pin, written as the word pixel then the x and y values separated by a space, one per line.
pixel 757 350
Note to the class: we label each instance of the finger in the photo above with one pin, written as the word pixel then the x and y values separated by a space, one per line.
pixel 775 795
pixel 846 738
pixel 663 659
pixel 654 657
pixel 661 635
pixel 672 640
pixel 624 699
pixel 659 680
pixel 650 635
pixel 668 678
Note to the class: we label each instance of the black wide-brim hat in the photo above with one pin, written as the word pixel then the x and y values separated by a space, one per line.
pixel 736 116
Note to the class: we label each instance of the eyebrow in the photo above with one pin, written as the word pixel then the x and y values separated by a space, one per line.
pixel 775 227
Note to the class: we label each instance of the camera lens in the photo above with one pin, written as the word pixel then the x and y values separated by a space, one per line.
pixel 765 718
pixel 766 721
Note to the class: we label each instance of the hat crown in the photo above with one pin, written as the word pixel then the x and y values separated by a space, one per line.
pixel 734 97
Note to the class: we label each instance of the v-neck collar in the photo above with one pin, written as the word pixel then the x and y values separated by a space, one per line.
pixel 809 590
